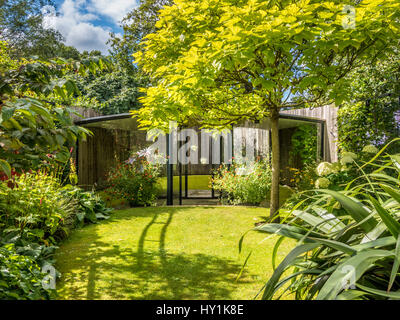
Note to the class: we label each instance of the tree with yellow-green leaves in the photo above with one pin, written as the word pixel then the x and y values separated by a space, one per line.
pixel 217 63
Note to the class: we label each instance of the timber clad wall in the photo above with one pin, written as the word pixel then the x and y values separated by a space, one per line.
pixel 329 114
pixel 114 140
pixel 103 151
pixel 85 113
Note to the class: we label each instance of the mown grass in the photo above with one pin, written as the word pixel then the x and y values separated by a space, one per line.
pixel 167 253
pixel 195 182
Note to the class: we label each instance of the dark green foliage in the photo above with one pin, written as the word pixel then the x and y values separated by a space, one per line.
pixel 304 144
pixel 111 92
pixel 33 126
pixel 36 213
pixel 20 276
pixel 36 207
pixel 91 208
pixel 32 134
pixel 370 116
pixel 36 210
pixel 33 207
pixel 348 240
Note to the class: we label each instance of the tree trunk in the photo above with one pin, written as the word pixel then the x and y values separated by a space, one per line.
pixel 274 205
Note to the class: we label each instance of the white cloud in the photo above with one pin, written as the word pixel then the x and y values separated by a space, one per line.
pixel 77 27
pixel 115 9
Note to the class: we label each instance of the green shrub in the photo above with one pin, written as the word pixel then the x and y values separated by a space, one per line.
pixel 36 212
pixel 90 206
pixel 135 180
pixel 34 207
pixel 348 240
pixel 333 176
pixel 38 208
pixel 21 277
pixel 304 144
pixel 304 179
pixel 243 185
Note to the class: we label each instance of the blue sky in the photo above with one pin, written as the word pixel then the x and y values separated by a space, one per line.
pixel 86 24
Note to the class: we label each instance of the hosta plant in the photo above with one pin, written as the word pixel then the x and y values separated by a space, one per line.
pixel 89 206
pixel 348 240
pixel 21 278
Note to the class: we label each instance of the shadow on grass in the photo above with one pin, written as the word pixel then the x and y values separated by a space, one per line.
pixel 119 272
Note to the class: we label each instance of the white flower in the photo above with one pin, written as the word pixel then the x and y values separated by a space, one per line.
pixel 346 159
pixel 324 168
pixel 322 183
pixel 344 168
pixel 336 167
pixel 370 149
pixel 350 155
pixel 203 160
pixel 144 153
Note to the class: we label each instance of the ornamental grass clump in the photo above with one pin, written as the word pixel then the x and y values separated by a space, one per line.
pixel 348 240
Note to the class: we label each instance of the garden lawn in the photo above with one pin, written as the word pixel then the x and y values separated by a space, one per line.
pixel 167 253
pixel 195 182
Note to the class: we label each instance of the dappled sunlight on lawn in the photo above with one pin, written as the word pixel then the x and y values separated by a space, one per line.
pixel 165 253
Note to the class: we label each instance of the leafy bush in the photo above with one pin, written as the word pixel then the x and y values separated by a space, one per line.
pixel 243 185
pixel 34 117
pixel 371 115
pixel 333 176
pixel 110 91
pixel 90 207
pixel 37 211
pixel 36 131
pixel 40 209
pixel 304 144
pixel 34 207
pixel 135 180
pixel 304 179
pixel 20 276
pixel 348 240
